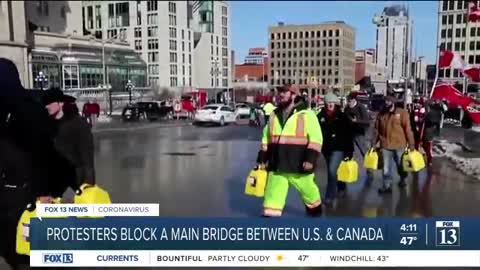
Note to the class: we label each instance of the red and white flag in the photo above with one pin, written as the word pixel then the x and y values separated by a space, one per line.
pixel 473 73
pixel 450 59
pixel 473 12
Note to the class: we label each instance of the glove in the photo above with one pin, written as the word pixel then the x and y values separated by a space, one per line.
pixel 411 147
pixel 348 154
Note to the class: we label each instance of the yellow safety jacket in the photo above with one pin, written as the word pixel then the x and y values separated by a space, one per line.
pixel 268 108
pixel 287 144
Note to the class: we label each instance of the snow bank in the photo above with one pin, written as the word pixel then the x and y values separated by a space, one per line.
pixel 468 166
pixel 451 121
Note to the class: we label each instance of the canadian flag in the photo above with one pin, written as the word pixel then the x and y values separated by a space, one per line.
pixel 473 73
pixel 473 12
pixel 450 59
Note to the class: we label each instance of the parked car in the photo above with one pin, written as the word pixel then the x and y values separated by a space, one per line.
pixel 151 111
pixel 215 113
pixel 131 113
pixel 243 110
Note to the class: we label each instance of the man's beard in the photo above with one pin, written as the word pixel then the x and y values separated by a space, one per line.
pixel 284 104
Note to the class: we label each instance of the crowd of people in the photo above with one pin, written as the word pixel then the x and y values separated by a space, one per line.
pixel 46 148
pixel 295 136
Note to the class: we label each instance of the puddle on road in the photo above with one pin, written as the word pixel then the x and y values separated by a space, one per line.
pixel 180 154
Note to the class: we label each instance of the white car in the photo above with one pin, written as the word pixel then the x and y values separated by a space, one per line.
pixel 243 110
pixel 215 113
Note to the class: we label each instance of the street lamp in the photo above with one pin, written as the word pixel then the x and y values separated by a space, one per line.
pixel 41 78
pixel 130 87
pixel 215 71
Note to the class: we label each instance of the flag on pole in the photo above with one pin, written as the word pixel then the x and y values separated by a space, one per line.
pixel 473 73
pixel 450 59
pixel 473 12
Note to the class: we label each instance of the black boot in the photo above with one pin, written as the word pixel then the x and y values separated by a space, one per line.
pixel 314 212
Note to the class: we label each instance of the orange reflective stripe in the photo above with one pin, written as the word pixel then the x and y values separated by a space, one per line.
pixel 314 146
pixel 271 123
pixel 300 130
pixel 292 140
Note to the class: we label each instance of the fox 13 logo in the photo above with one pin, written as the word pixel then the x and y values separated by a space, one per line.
pixel 59 258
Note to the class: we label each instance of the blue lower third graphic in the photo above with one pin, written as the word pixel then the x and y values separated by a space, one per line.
pixel 58 258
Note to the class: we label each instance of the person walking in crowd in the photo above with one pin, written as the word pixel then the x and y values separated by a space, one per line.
pixel 360 123
pixel 291 144
pixel 427 127
pixel 337 144
pixel 29 164
pixel 73 136
pixel 393 133
pixel 87 111
pixel 444 105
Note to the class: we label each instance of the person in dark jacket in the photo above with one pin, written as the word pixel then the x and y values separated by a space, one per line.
pixel 73 136
pixel 360 122
pixel 28 159
pixel 337 143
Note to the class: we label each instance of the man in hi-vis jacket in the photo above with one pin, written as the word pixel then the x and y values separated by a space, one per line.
pixel 291 144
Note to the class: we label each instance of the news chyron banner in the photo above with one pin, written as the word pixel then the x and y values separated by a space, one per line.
pixel 147 240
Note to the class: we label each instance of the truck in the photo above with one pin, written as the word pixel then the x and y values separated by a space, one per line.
pixel 456 100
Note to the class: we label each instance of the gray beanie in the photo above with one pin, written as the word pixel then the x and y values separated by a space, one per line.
pixel 331 98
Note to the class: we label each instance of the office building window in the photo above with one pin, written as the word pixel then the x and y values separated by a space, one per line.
pixel 172 20
pixel 477 59
pixel 450 19
pixel 458 32
pixel 451 6
pixel 70 76
pixel 224 31
pixel 470 59
pixel 138 45
pixel 153 57
pixel 225 22
pixel 172 7
pixel 42 8
pixel 112 34
pixel 152 19
pixel 173 45
pixel 153 69
pixel 152 5
pixel 443 33
pixel 173 57
pixel 139 13
pixel 63 13
pixel 444 19
pixel 457 46
pixel 173 69
pixel 183 58
pixel 445 5
pixel 138 32
pixel 153 44
pixel 224 11
pixel 152 31
pixel 173 32
pixel 183 34
pixel 459 18
pixel 90 17
pixel 449 33
pixel 190 59
pixel 473 32
pixel 98 16
pixel 463 46
pixel 173 81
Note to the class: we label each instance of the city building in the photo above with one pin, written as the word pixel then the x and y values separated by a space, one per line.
pixel 252 72
pixel 394 42
pixel 256 56
pixel 185 43
pixel 366 69
pixel 453 35
pixel 45 40
pixel 211 23
pixel 319 56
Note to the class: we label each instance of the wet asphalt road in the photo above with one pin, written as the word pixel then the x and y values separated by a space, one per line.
pixel 200 172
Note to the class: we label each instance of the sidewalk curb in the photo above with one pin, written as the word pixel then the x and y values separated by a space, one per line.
pixel 102 130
